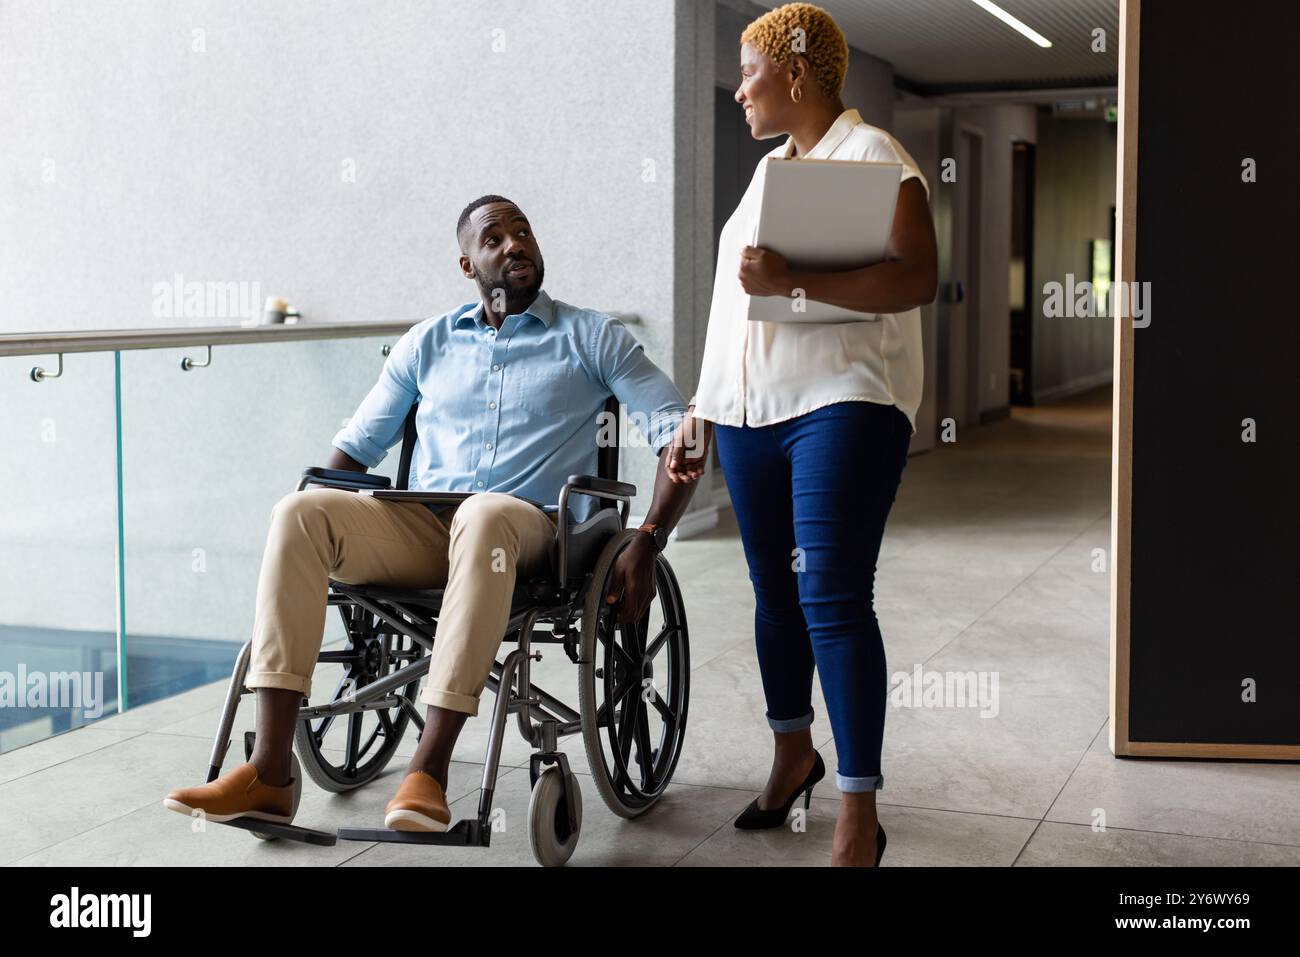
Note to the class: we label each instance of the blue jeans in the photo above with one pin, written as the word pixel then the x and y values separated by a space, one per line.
pixel 811 496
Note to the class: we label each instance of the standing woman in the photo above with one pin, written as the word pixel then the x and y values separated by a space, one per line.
pixel 813 423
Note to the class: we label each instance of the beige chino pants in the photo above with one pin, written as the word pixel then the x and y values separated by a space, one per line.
pixel 473 553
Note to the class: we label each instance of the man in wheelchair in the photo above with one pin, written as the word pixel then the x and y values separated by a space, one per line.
pixel 508 391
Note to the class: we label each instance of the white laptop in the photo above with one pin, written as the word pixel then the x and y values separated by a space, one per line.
pixel 824 215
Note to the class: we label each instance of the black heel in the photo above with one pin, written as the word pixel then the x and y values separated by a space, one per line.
pixel 880 843
pixel 755 818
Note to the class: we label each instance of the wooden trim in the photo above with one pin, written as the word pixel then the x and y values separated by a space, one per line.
pixel 1188 749
pixel 1121 479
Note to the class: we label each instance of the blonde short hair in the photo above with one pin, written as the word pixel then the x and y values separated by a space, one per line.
pixel 774 34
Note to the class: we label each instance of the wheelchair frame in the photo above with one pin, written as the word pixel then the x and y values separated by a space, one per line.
pixel 542 718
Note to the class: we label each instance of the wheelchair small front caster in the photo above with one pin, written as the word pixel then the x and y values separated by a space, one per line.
pixel 295 770
pixel 552 840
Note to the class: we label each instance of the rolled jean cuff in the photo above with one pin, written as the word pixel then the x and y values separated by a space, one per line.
pixel 278 679
pixel 790 724
pixel 873 782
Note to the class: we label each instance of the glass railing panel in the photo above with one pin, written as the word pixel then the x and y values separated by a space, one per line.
pixel 206 455
pixel 58 546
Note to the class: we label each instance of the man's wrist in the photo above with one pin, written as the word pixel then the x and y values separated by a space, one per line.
pixel 642 544
pixel 654 535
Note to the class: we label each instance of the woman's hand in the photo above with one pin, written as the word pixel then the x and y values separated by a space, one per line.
pixel 688 449
pixel 764 273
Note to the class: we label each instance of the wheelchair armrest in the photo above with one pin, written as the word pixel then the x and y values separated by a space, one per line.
pixel 593 484
pixel 342 478
pixel 595 487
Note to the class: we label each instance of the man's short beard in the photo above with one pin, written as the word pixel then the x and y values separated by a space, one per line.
pixel 516 298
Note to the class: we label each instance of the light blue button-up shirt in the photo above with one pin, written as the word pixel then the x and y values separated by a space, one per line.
pixel 513 410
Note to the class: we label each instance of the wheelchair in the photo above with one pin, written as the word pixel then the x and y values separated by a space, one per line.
pixel 633 686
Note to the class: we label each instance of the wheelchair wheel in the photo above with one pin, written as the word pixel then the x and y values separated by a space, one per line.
pixel 344 752
pixel 296 771
pixel 549 834
pixel 633 688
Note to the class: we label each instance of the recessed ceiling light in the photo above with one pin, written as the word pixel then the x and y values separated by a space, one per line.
pixel 1013 23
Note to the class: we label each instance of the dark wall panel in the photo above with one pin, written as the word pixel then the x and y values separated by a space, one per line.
pixel 1215 572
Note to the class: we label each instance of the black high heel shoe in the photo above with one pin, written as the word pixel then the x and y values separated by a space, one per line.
pixel 880 843
pixel 755 818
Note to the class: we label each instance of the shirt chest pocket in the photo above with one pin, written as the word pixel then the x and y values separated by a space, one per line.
pixel 546 392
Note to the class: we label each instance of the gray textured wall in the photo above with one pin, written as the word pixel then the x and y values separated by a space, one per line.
pixel 230 164
pixel 1072 203
pixel 322 150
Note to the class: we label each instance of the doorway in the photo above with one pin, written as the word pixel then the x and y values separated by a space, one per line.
pixel 1021 298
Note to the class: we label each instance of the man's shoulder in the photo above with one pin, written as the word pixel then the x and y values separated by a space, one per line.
pixel 435 327
pixel 584 321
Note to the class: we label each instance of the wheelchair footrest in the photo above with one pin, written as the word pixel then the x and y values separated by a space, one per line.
pixel 463 834
pixel 290 832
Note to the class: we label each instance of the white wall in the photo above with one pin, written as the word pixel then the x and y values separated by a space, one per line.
pixel 229 164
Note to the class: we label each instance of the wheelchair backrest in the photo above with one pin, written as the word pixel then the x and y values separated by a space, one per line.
pixel 606 455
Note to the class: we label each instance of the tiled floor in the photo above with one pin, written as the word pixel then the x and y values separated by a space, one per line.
pixel 988 566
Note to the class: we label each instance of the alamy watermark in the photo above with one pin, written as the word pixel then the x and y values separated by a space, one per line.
pixel 1084 299
pixel 946 689
pixel 182 299
pixel 630 428
pixel 130 911
pixel 79 690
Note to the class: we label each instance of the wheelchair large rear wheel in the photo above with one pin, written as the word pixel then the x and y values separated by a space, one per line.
pixel 633 687
pixel 344 752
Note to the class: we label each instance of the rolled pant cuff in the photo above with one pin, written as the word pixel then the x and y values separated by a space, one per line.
pixel 450 700
pixel 872 782
pixel 790 724
pixel 278 679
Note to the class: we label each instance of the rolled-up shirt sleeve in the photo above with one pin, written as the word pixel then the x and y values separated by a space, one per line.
pixel 377 424
pixel 652 401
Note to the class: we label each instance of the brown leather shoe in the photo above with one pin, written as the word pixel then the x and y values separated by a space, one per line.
pixel 237 793
pixel 419 805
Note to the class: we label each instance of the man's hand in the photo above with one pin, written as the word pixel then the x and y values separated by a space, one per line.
pixel 764 273
pixel 633 582
pixel 689 447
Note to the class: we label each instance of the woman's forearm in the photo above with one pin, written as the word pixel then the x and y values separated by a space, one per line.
pixel 890 286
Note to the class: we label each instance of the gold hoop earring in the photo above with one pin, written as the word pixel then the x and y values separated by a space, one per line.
pixel 793 91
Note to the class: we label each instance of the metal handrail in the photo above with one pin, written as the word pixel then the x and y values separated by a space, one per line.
pixel 123 340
